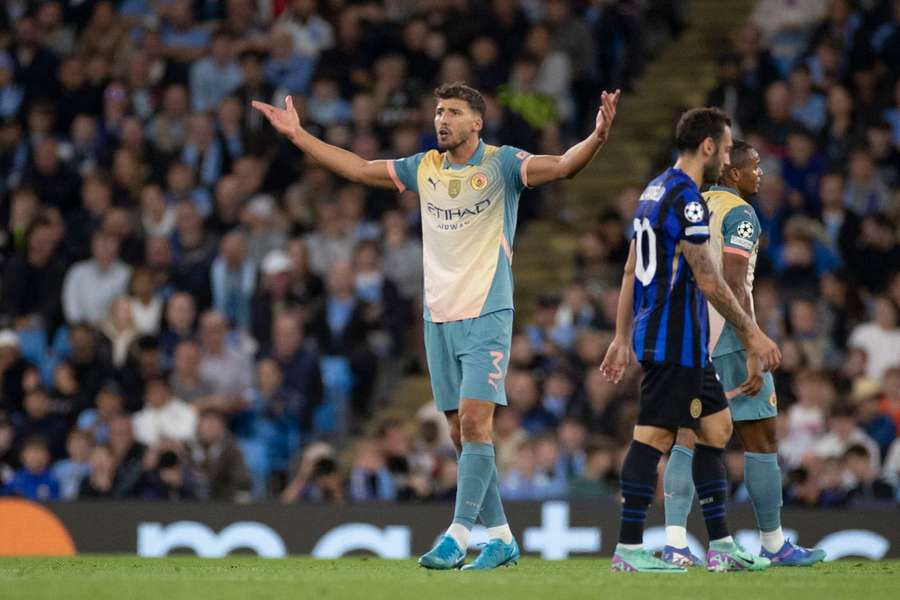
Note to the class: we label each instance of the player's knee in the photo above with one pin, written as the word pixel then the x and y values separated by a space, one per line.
pixel 657 437
pixel 716 430
pixel 686 438
pixel 765 442
pixel 474 428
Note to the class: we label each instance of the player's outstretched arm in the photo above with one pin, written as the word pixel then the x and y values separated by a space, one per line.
pixel 620 353
pixel 375 173
pixel 716 290
pixel 544 168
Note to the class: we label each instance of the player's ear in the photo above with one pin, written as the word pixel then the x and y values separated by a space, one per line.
pixel 478 123
pixel 708 146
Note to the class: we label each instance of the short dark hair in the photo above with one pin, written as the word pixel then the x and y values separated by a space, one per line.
pixel 740 151
pixel 461 91
pixel 697 124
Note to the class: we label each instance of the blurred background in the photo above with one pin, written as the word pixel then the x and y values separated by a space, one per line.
pixel 193 310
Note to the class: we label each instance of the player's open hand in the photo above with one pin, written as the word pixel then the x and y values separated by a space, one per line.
pixel 765 349
pixel 619 357
pixel 284 120
pixel 607 113
pixel 754 381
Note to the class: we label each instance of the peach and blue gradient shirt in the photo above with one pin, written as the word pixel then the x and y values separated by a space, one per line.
pixel 468 224
pixel 734 229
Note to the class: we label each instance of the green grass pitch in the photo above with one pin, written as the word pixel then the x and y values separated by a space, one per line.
pixel 249 578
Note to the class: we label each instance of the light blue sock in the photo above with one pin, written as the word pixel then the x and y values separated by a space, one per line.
pixel 762 476
pixel 678 486
pixel 476 468
pixel 492 514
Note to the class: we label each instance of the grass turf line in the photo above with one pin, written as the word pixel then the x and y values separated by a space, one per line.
pixel 189 578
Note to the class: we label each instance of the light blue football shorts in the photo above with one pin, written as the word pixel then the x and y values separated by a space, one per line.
pixel 732 371
pixel 468 358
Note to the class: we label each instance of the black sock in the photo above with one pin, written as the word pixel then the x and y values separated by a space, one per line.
pixel 711 481
pixel 638 487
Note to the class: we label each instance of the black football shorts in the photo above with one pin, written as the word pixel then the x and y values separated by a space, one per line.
pixel 674 396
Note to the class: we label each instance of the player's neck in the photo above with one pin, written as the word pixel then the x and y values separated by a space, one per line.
pixel 692 166
pixel 731 185
pixel 462 153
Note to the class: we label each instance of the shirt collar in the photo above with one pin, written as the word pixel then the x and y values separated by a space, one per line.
pixel 474 160
pixel 724 188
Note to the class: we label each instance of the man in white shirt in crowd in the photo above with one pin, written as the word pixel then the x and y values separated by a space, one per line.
pixel 163 416
pixel 91 285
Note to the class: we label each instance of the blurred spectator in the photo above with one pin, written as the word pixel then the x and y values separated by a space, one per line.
pixel 100 480
pixel 34 276
pixel 370 479
pixel 38 421
pixel 224 363
pixel 287 69
pixel 341 330
pixel 876 247
pixel 263 234
pixel 879 338
pixel 91 285
pixel 185 380
pixel 179 322
pixel 217 458
pixel 233 280
pixel 70 471
pixel 96 421
pixel 120 329
pixel 318 478
pixel 170 478
pixel 299 363
pixel 862 480
pixel 163 417
pixel 844 433
pixel 13 370
pixel 146 304
pixel 523 396
pixel 8 459
pixel 34 481
pixel 805 419
pixel 865 192
pixel 596 481
pixel 214 77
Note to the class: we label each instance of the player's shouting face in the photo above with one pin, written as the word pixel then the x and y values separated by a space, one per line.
pixel 718 152
pixel 454 122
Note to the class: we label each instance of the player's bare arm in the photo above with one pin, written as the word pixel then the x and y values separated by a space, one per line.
pixel 734 270
pixel 374 173
pixel 544 168
pixel 620 353
pixel 717 291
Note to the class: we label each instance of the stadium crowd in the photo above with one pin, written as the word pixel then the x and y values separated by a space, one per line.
pixel 193 311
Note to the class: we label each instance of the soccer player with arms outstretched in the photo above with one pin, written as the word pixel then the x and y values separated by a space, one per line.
pixel 468 194
pixel 734 237
pixel 670 274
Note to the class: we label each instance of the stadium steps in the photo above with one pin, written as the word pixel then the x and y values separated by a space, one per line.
pixel 545 250
pixel 678 78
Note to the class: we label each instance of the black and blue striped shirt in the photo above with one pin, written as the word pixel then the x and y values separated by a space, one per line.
pixel 670 315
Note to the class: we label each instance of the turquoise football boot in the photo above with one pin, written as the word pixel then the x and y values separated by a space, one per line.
pixel 445 555
pixel 495 554
pixel 641 561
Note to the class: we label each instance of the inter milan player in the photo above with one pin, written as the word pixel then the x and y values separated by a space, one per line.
pixel 670 274
pixel 468 194
pixel 734 237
